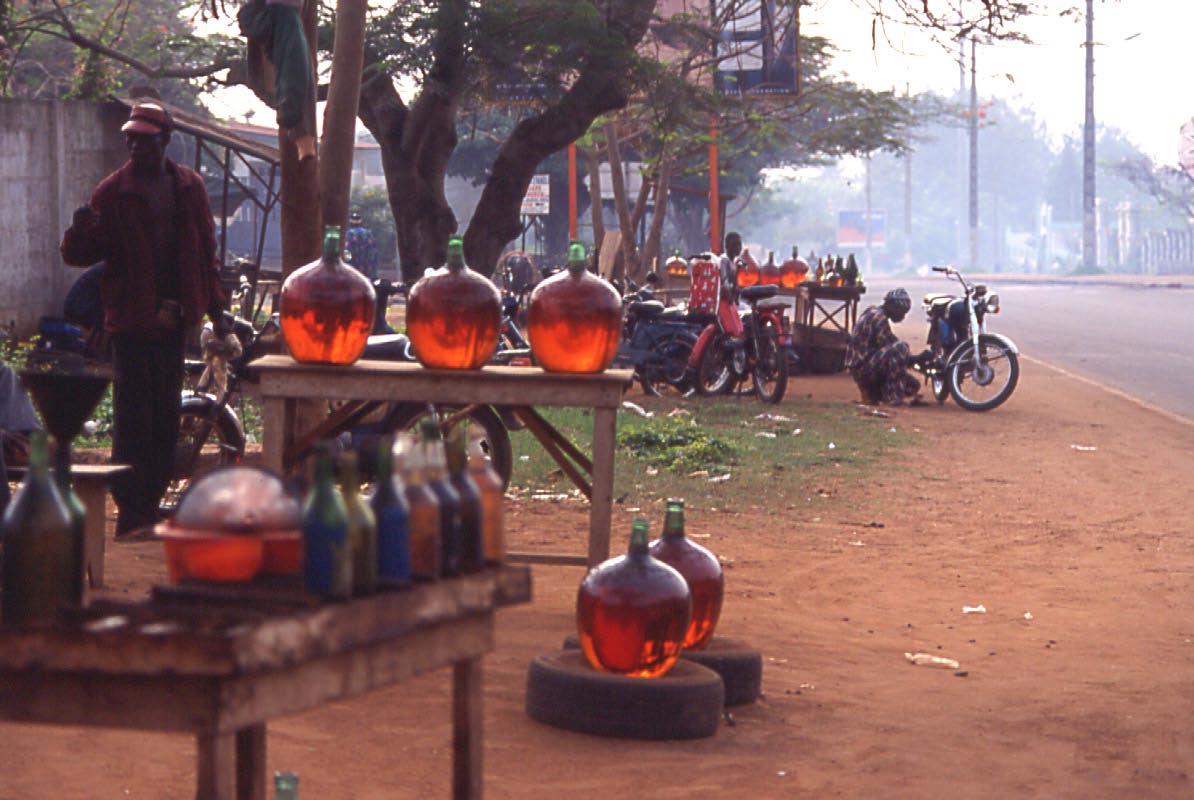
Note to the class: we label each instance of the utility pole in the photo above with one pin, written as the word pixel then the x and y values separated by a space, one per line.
pixel 974 157
pixel 1089 229
pixel 907 202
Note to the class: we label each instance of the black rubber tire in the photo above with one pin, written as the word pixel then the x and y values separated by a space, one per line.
pixel 957 371
pixel 668 376
pixel 770 372
pixel 714 374
pixel 739 665
pixel 405 416
pixel 565 692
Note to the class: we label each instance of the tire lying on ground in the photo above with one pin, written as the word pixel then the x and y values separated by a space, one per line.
pixel 565 692
pixel 739 665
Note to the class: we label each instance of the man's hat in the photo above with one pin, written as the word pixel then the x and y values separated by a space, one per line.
pixel 148 118
pixel 354 216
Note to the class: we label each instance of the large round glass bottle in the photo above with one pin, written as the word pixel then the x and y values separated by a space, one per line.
pixel 748 270
pixel 700 569
pixel 327 308
pixel 453 315
pixel 793 270
pixel 575 319
pixel 769 272
pixel 632 612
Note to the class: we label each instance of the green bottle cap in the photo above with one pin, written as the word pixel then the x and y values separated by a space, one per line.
pixel 576 256
pixel 455 251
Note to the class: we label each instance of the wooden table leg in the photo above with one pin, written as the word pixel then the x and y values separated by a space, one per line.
pixel 92 494
pixel 217 766
pixel 250 763
pixel 275 435
pixel 466 729
pixel 605 424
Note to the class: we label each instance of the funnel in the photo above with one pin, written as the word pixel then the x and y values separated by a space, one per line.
pixel 65 397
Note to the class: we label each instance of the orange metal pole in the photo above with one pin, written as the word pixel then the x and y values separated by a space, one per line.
pixel 572 230
pixel 714 192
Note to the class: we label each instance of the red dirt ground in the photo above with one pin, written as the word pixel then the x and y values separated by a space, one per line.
pixel 1064 513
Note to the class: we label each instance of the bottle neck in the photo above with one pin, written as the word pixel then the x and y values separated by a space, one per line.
pixel 331 243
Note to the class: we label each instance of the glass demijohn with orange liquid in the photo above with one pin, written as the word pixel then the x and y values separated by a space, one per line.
pixel 327 308
pixel 453 315
pixel 632 612
pixel 575 319
pixel 748 270
pixel 793 270
pixel 769 272
pixel 700 569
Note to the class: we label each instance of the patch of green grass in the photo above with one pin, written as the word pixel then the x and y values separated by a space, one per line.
pixel 722 453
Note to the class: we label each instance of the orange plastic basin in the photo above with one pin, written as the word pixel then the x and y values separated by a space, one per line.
pixel 207 556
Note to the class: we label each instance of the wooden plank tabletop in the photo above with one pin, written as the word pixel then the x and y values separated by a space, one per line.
pixel 219 632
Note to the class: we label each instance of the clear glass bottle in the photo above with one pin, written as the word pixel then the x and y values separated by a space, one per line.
pixel 700 569
pixel 392 513
pixel 493 496
pixel 424 521
pixel 472 552
pixel 42 558
pixel 326 308
pixel 362 526
pixel 453 315
pixel 574 320
pixel 632 612
pixel 327 551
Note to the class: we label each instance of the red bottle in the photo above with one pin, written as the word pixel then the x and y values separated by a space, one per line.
pixel 632 612
pixel 748 270
pixel 700 569
pixel 327 308
pixel 575 319
pixel 793 271
pixel 769 272
pixel 453 315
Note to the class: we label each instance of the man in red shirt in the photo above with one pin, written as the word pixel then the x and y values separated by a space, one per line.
pixel 151 222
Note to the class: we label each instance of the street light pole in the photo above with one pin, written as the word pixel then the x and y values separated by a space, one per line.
pixel 1089 232
pixel 973 156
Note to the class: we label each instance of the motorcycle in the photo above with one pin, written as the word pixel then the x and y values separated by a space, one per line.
pixel 656 342
pixel 977 368
pixel 733 348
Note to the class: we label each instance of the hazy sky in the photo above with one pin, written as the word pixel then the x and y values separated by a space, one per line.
pixel 1141 86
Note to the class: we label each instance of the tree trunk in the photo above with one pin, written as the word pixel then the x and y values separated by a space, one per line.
pixel 596 206
pixel 340 114
pixel 300 212
pixel 663 179
pixel 621 206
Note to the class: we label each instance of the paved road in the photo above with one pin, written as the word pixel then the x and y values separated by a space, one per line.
pixel 1137 340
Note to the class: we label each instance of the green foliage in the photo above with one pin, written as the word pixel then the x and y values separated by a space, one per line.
pixel 675 444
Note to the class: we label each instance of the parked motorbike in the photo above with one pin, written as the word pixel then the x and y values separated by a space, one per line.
pixel 733 348
pixel 656 342
pixel 977 368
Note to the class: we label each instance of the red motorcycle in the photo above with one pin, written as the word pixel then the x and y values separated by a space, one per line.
pixel 733 348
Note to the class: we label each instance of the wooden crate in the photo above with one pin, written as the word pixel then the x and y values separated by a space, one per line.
pixel 822 351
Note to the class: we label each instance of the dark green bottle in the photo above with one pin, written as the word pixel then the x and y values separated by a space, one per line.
pixel 327 552
pixel 42 571
pixel 472 547
pixel 78 518
pixel 362 527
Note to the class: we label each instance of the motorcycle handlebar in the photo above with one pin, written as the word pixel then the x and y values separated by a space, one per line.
pixel 940 269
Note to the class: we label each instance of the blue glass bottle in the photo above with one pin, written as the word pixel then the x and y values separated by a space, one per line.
pixel 327 552
pixel 392 513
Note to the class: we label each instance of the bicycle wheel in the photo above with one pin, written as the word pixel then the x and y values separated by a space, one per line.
pixel 667 375
pixel 208 437
pixel 770 370
pixel 496 441
pixel 715 374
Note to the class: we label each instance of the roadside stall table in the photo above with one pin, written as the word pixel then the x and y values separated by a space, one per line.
pixel 824 317
pixel 220 661
pixel 282 382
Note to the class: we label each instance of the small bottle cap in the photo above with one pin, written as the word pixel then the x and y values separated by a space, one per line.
pixel 576 256
pixel 455 250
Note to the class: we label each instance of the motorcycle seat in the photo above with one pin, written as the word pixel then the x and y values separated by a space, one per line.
pixel 646 308
pixel 937 303
pixel 387 347
pixel 753 293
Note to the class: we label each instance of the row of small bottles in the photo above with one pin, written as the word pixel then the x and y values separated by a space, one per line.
pixel 436 511
pixel 795 270
pixel 42 542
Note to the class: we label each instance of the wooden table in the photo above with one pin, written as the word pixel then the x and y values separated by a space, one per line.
pixel 91 483
pixel 221 662
pixel 282 382
pixel 819 305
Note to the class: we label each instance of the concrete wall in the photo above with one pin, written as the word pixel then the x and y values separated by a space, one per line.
pixel 52 154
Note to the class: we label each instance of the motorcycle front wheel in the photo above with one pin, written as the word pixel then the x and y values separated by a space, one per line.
pixel 496 441
pixel 667 374
pixel 715 374
pixel 986 383
pixel 770 370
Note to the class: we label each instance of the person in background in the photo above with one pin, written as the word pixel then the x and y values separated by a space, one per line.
pixel 151 223
pixel 361 248
pixel 729 272
pixel 876 358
